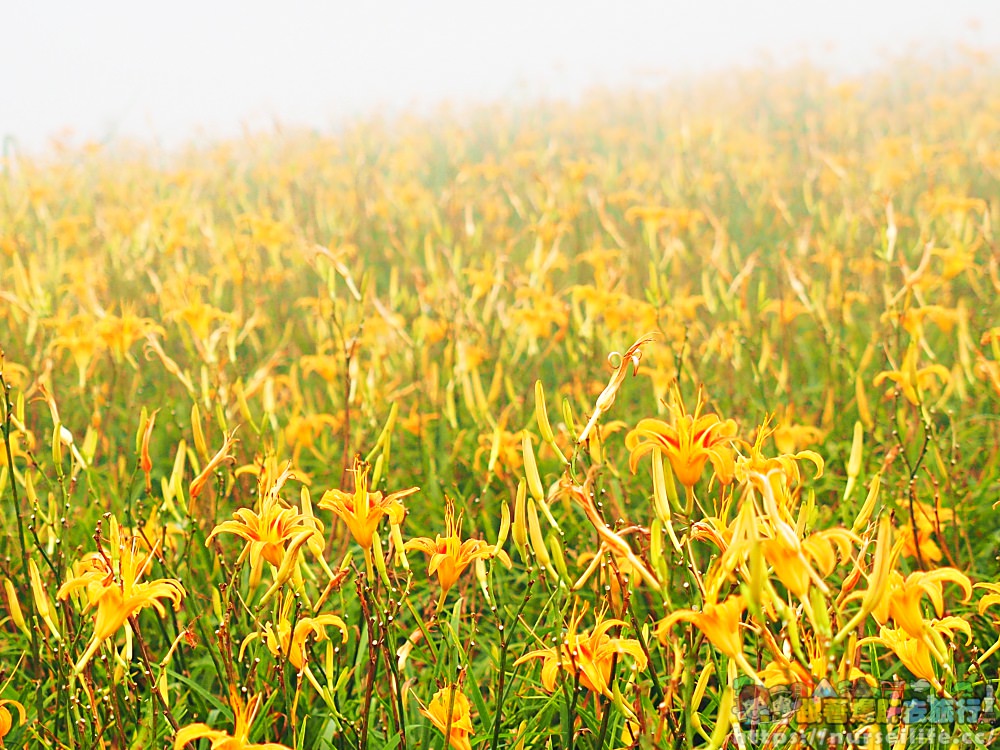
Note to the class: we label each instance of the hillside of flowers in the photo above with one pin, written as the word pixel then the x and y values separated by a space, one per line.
pixel 658 419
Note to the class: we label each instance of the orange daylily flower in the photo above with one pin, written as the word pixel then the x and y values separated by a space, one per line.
pixel 793 559
pixel 266 533
pixel 879 578
pixel 303 432
pixel 921 544
pixel 449 555
pixel 502 447
pixel 7 720
pixel 363 510
pixel 460 726
pixel 243 714
pixel 588 654
pixel 902 603
pixel 722 625
pixel 113 583
pixel 326 366
pixel 689 443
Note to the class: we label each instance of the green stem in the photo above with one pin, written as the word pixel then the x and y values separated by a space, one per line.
pixel 26 583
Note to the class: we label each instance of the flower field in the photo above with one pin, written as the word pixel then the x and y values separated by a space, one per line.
pixel 658 419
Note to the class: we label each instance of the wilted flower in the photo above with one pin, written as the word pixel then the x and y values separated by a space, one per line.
pixel 606 400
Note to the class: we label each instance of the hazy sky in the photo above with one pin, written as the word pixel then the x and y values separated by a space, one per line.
pixel 167 71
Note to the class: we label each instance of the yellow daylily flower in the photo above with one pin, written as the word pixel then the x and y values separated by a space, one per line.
pixel 913 381
pixel 915 652
pixel 986 601
pixel 786 463
pixel 243 714
pixel 791 436
pixel 120 332
pixel 784 670
pixel 290 642
pixel 588 654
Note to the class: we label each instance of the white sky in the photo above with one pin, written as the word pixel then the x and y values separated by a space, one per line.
pixel 169 71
